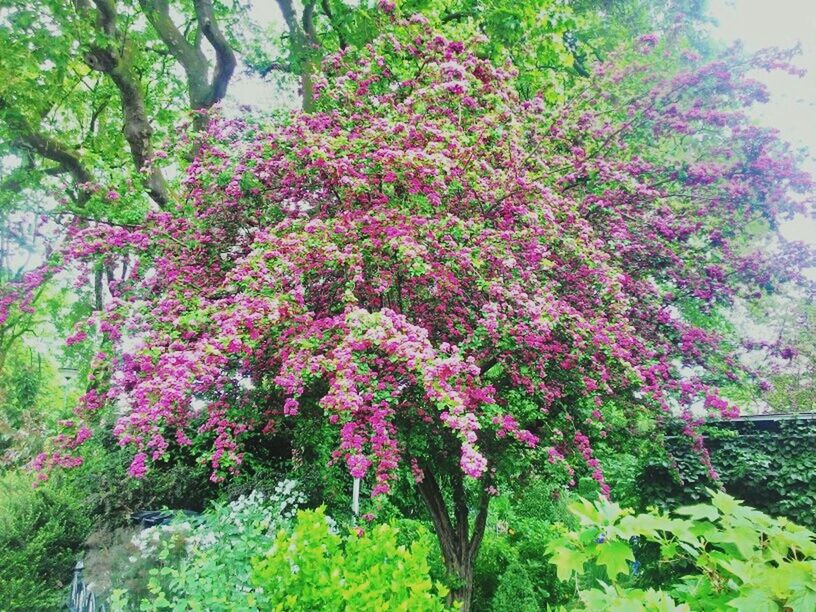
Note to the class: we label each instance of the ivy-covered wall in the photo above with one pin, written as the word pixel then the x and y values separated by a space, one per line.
pixel 771 465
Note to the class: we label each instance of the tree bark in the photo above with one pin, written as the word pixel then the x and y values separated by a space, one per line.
pixel 459 543
pixel 137 129
pixel 66 158
pixel 202 91
pixel 303 44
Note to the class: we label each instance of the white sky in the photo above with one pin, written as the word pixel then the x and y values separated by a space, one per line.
pixel 792 108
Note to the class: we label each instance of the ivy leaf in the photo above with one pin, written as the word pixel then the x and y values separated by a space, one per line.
pixel 614 555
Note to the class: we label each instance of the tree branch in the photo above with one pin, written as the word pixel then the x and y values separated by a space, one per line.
pixel 191 57
pixel 479 525
pixel 341 38
pixel 460 509
pixel 137 129
pixel 302 43
pixel 432 496
pixel 27 137
pixel 276 66
pixel 107 16
pixel 203 92
pixel 225 61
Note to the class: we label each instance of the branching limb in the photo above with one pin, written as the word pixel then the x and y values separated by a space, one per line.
pixel 225 61
pixel 341 38
pixel 137 129
pixel 203 92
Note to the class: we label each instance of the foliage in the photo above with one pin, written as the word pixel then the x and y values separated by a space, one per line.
pixel 728 555
pixel 455 282
pixel 41 531
pixel 112 496
pixel 792 352
pixel 92 88
pixel 768 466
pixel 323 236
pixel 205 562
pixel 313 568
pixel 515 592
pixel 520 525
pixel 458 273
pixel 253 554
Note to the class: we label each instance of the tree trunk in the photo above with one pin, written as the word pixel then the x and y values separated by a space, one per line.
pixel 458 542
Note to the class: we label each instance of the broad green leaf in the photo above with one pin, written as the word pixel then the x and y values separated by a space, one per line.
pixel 803 600
pixel 614 556
pixel 754 601
pixel 699 511
pixel 567 561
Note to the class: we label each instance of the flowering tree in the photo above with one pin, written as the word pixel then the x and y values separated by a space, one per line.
pixel 454 280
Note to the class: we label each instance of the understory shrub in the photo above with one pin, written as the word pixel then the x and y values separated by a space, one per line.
pixel 112 496
pixel 41 532
pixel 728 556
pixel 312 567
pixel 205 562
pixel 515 592
pixel 253 554
pixel 513 557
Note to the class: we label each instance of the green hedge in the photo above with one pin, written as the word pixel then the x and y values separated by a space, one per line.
pixel 770 466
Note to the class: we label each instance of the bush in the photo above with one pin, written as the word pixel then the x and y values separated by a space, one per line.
pixel 520 527
pixel 112 496
pixel 41 532
pixel 495 556
pixel 729 557
pixel 250 555
pixel 313 568
pixel 205 563
pixel 515 592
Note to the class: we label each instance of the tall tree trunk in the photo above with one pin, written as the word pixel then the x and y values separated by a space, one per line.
pixel 459 543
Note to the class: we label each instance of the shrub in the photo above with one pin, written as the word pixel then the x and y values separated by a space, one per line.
pixel 520 527
pixel 41 531
pixel 311 567
pixel 729 556
pixel 206 563
pixel 515 592
pixel 495 556
pixel 112 496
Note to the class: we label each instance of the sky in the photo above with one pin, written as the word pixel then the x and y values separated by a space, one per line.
pixel 792 108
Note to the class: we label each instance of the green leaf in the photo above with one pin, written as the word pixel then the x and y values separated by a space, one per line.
pixel 585 511
pixel 567 561
pixel 803 600
pixel 754 601
pixel 614 555
pixel 699 511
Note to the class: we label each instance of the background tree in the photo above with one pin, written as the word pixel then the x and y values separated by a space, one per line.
pixel 93 86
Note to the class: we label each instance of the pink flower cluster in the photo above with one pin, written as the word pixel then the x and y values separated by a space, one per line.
pixel 441 259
